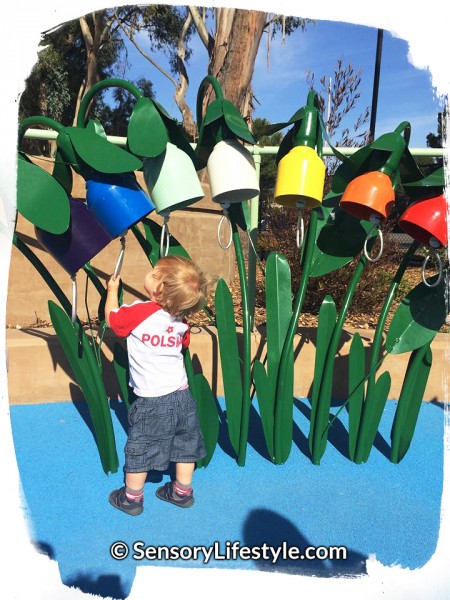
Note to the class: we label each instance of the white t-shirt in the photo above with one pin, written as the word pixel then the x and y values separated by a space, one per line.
pixel 155 341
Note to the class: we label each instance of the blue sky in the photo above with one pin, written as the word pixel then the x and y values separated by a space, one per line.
pixel 405 92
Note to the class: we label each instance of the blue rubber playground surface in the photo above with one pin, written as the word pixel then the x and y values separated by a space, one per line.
pixel 376 509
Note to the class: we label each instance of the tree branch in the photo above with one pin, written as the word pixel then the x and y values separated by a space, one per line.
pixel 146 56
pixel 200 26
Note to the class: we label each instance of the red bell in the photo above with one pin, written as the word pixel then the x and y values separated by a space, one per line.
pixel 426 221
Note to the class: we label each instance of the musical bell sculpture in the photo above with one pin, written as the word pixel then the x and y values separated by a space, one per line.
pixel 117 201
pixel 369 197
pixel 172 180
pixel 426 222
pixel 301 171
pixel 83 240
pixel 232 173
pixel 231 169
pixel 300 178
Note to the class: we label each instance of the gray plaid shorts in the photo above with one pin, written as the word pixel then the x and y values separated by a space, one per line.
pixel 161 430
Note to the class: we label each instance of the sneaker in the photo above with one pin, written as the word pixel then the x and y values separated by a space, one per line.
pixel 119 500
pixel 167 494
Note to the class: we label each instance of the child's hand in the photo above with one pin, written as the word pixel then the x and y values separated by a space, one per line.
pixel 113 283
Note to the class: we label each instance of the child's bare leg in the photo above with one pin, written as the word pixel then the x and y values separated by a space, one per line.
pixel 135 481
pixel 184 473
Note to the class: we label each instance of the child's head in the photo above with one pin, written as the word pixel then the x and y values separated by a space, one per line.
pixel 177 285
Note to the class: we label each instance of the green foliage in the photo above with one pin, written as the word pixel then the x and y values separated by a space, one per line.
pixel 276 410
pixel 229 358
pixel 410 401
pixel 88 375
pixel 418 318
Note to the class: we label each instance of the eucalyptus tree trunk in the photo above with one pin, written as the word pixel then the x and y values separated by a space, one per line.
pixel 232 53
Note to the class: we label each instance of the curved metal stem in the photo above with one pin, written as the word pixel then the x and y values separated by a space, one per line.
pixel 38 120
pixel 101 85
pixel 208 80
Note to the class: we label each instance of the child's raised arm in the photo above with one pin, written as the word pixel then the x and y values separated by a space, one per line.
pixel 112 300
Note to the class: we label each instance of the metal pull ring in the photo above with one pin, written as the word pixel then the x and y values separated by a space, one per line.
pixel 433 254
pixel 225 217
pixel 376 258
pixel 74 298
pixel 119 262
pixel 300 235
pixel 165 236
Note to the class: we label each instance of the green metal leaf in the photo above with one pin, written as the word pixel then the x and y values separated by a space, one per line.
pixel 96 127
pixel 66 150
pixel 176 134
pixel 284 409
pixel 229 359
pixel 207 409
pixel 122 369
pixel 410 401
pixel 319 409
pixel 236 123
pixel 208 416
pixel 147 133
pixel 87 373
pixel 62 173
pixel 418 318
pixel 421 187
pixel 41 199
pixel 356 376
pixel 339 237
pixel 279 314
pixel 371 416
pixel 150 243
pixel 213 112
pixel 266 403
pixel 369 158
pixel 287 143
pixel 239 212
pixel 278 311
pixel 100 154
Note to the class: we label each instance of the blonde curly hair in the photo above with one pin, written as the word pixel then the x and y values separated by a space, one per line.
pixel 181 286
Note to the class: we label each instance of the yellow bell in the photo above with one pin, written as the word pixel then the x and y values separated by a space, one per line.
pixel 300 178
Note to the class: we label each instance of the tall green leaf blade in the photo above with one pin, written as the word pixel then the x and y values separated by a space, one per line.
pixel 325 327
pixel 266 403
pixel 418 318
pixel 371 417
pixel 88 376
pixel 410 401
pixel 284 409
pixel 278 311
pixel 357 361
pixel 41 199
pixel 229 359
pixel 208 416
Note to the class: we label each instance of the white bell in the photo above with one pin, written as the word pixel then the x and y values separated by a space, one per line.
pixel 232 173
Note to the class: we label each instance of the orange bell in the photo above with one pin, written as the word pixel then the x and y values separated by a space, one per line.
pixel 426 221
pixel 369 197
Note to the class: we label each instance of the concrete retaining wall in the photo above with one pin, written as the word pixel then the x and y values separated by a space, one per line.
pixel 38 370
